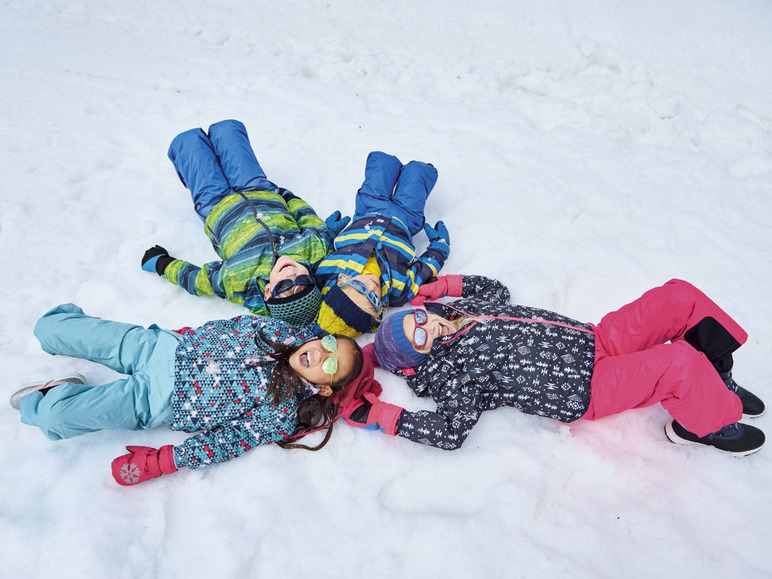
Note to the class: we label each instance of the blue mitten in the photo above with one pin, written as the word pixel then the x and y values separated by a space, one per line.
pixel 439 238
pixel 335 224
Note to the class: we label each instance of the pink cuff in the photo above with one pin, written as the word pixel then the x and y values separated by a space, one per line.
pixel 166 459
pixel 455 285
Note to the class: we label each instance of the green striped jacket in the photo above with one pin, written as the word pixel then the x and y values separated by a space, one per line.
pixel 235 228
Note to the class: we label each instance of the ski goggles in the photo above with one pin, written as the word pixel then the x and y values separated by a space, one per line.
pixel 330 365
pixel 287 284
pixel 361 287
pixel 420 335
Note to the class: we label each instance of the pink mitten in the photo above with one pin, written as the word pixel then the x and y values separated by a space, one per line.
pixel 143 463
pixel 445 285
pixel 373 414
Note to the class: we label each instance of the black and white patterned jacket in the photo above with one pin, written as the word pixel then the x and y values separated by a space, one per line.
pixel 534 360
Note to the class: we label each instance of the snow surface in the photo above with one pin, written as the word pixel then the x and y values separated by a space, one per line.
pixel 587 151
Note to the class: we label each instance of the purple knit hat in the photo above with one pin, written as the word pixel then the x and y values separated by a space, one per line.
pixel 392 348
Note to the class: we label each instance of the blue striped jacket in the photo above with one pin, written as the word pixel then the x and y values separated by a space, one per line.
pixel 401 272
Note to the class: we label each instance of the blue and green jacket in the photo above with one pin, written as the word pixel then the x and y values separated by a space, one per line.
pixel 244 245
pixel 221 379
pixel 401 271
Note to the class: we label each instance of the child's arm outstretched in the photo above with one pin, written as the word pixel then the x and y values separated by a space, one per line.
pixel 197 281
pixel 467 286
pixel 234 438
pixel 427 266
pixel 220 444
pixel 446 428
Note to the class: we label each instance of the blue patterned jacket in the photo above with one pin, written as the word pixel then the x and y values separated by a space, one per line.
pixel 401 272
pixel 220 390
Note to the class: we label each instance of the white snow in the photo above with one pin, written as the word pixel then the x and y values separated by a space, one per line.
pixel 587 151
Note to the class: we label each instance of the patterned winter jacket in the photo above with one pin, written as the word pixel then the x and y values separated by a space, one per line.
pixel 244 246
pixel 401 272
pixel 220 390
pixel 534 360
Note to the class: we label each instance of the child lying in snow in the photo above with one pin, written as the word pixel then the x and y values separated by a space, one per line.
pixel 239 383
pixel 374 264
pixel 672 345
pixel 269 240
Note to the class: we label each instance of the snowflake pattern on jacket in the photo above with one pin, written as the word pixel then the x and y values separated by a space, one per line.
pixel 532 359
pixel 221 381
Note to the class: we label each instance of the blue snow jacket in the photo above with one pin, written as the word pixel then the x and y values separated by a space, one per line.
pixel 401 271
pixel 221 389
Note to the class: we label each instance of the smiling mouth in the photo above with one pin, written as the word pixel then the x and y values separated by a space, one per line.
pixel 305 359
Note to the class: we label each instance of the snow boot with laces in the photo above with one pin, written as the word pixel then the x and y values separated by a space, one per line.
pixel 752 404
pixel 737 439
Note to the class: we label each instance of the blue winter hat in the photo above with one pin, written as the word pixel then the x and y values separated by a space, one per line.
pixel 392 348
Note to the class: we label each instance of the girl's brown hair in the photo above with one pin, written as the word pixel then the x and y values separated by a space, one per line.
pixel 314 413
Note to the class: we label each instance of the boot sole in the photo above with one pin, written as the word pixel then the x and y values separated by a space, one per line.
pixel 30 387
pixel 675 439
pixel 755 415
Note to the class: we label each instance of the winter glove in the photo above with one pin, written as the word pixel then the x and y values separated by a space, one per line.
pixel 373 414
pixel 444 285
pixel 156 259
pixel 335 224
pixel 143 463
pixel 439 239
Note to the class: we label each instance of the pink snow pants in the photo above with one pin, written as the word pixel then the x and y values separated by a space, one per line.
pixel 641 358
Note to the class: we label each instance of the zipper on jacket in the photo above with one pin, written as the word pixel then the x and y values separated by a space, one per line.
pixel 510 318
pixel 260 221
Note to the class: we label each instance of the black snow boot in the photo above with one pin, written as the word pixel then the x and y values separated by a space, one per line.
pixel 752 404
pixel 738 439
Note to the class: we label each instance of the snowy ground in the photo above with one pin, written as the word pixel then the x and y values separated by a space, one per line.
pixel 587 151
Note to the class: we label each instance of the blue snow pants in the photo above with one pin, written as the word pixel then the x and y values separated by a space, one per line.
pixel 396 190
pixel 139 401
pixel 215 165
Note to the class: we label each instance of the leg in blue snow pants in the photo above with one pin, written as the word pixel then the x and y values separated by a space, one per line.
pixel 215 165
pixel 141 400
pixel 668 346
pixel 395 190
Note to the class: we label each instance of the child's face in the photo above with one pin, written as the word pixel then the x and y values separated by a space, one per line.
pixel 284 268
pixel 435 326
pixel 373 284
pixel 308 359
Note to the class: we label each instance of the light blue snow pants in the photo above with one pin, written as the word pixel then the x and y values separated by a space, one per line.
pixel 141 400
